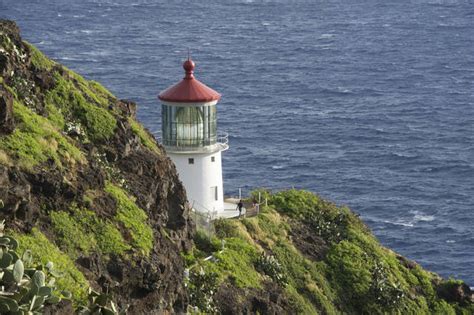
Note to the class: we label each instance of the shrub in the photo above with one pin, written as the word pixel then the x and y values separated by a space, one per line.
pixel 202 287
pixel 205 243
pixel 270 266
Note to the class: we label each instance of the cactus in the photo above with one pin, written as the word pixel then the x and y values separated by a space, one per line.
pixel 100 304
pixel 23 287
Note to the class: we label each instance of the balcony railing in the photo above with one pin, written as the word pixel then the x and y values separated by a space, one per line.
pixel 219 142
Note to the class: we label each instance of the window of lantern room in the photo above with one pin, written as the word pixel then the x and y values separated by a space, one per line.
pixel 189 126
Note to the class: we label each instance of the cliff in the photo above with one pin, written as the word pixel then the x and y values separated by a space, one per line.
pixel 84 185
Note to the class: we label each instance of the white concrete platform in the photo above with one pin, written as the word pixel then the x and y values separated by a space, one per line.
pixel 230 211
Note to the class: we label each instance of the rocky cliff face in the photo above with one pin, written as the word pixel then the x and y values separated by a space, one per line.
pixel 81 178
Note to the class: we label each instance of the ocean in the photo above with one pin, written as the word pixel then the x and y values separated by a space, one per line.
pixel 368 103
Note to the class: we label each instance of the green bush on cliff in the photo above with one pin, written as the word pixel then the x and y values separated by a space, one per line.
pixel 133 218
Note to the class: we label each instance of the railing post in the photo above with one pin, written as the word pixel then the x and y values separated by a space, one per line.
pixel 240 194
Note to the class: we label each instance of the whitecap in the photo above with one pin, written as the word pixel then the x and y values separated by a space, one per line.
pixel 326 36
pixel 450 241
pixel 407 224
pixel 278 167
pixel 424 218
pixel 68 58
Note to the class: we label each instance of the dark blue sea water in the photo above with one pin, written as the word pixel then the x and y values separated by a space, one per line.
pixel 369 103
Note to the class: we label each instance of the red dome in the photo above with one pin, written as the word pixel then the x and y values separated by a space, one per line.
pixel 189 90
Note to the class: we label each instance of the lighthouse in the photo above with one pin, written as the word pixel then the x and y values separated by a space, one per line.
pixel 189 135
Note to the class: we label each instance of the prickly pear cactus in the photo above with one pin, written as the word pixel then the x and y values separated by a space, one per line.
pixel 100 304
pixel 23 286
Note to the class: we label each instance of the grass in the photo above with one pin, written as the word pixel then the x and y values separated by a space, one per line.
pixel 236 264
pixel 133 218
pixel 81 232
pixel 36 140
pixel 5 159
pixel 99 122
pixel 145 138
pixel 38 59
pixel 45 251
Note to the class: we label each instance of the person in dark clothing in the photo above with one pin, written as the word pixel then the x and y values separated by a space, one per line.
pixel 240 205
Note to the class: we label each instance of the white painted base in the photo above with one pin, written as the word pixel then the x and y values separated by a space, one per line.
pixel 201 179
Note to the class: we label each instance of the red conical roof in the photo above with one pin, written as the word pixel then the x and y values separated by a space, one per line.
pixel 189 90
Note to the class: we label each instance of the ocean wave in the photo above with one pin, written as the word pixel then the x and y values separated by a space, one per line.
pixel 423 218
pixel 401 223
pixel 405 155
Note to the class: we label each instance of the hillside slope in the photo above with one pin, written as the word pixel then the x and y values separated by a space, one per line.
pixel 305 255
pixel 86 186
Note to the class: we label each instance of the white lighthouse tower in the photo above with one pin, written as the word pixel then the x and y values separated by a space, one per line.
pixel 189 134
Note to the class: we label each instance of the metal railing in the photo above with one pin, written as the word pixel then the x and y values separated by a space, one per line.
pixel 220 141
pixel 223 138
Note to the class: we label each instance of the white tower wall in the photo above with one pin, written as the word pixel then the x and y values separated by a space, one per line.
pixel 202 179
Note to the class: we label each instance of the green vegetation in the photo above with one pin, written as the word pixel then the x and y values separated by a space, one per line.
pixel 43 251
pixel 133 218
pixel 236 264
pixel 145 138
pixel 100 90
pixel 36 140
pixel 99 122
pixel 93 91
pixel 354 274
pixel 38 59
pixel 80 231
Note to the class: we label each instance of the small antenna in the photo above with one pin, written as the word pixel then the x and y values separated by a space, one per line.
pixel 189 54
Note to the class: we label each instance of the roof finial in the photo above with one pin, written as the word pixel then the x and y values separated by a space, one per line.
pixel 188 66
